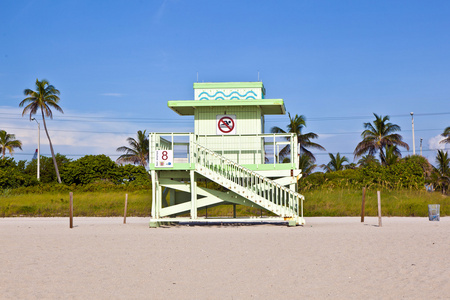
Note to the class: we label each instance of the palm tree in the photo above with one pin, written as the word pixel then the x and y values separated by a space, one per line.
pixel 137 153
pixel 306 164
pixel 391 155
pixel 443 162
pixel 336 163
pixel 44 98
pixel 379 135
pixel 368 159
pixel 446 135
pixel 443 169
pixel 351 166
pixel 296 124
pixel 8 142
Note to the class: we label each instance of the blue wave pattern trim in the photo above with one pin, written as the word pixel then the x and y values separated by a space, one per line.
pixel 245 96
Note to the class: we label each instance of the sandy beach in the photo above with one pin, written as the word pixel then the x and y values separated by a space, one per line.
pixel 335 258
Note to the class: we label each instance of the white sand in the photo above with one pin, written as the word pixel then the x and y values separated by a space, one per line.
pixel 338 258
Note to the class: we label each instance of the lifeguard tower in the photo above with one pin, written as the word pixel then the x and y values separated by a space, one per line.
pixel 228 147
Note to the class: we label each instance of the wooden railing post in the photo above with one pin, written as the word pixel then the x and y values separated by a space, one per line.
pixel 363 205
pixel 125 210
pixel 379 208
pixel 71 209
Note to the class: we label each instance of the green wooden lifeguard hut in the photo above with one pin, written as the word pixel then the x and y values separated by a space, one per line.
pixel 228 147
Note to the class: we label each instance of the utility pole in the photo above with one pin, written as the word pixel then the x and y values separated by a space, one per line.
pixel 421 147
pixel 414 142
pixel 39 151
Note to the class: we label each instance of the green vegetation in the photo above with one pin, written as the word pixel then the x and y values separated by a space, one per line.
pixel 12 174
pixel 441 174
pixel 409 172
pixel 446 135
pixel 8 142
pixel 94 203
pixel 99 186
pixel 103 201
pixel 296 125
pixel 85 170
pixel 402 186
pixel 336 163
pixel 137 153
pixel 48 173
pixel 347 202
pixel 92 168
pixel 306 164
pixel 377 137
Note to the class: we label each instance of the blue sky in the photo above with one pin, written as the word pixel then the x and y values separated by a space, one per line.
pixel 117 63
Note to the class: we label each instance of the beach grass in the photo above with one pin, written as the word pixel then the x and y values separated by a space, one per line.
pixel 322 202
pixel 347 202
pixel 93 204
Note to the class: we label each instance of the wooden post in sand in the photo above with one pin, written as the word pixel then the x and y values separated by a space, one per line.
pixel 379 209
pixel 125 211
pixel 363 205
pixel 71 209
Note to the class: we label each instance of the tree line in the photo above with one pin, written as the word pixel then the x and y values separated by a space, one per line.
pixel 89 169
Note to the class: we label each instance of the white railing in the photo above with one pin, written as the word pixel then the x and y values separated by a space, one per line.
pixel 178 142
pixel 244 149
pixel 285 202
pixel 256 149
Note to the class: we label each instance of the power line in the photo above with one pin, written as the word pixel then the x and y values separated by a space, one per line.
pixel 158 120
pixel 112 120
pixel 80 131
pixel 368 117
pixel 359 132
pixel 117 132
pixel 351 153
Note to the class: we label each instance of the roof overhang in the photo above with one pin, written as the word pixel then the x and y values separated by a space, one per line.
pixel 227 85
pixel 268 106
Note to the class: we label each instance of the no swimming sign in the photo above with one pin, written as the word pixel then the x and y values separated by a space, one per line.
pixel 226 124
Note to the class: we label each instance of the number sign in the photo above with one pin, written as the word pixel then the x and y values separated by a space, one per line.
pixel 164 159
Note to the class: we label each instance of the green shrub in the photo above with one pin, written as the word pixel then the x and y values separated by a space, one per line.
pixel 47 174
pixel 96 168
pixel 409 172
pixel 12 175
pixel 87 169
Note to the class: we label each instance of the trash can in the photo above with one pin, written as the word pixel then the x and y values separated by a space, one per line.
pixel 433 212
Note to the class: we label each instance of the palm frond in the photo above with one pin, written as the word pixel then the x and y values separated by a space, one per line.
pixel 295 125
pixel 377 135
pixel 138 152
pixel 446 135
pixel 8 142
pixel 276 129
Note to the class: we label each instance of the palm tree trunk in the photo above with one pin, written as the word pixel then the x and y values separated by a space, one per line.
pixel 51 148
pixel 382 157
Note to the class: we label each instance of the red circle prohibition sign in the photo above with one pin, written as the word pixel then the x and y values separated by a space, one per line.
pixel 226 124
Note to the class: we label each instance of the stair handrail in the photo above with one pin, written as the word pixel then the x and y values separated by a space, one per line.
pixel 249 172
